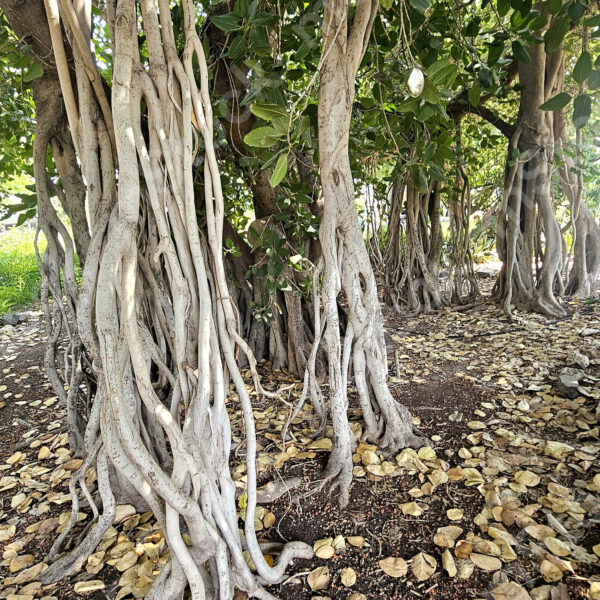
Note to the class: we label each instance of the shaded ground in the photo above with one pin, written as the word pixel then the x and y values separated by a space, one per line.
pixel 482 389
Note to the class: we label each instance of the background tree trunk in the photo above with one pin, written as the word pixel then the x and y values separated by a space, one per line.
pixel 527 207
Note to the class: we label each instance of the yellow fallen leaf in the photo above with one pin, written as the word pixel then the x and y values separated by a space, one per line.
pixel 269 520
pixel 394 566
pixel 89 586
pixel 550 571
pixel 325 551
pixel 318 579
pixel 510 591
pixel 438 477
pixel 15 458
pixel 527 478
pixel 539 532
pixel 423 566
pixel 18 500
pixel 487 563
pixel 6 532
pixel 356 540
pixel 348 577
pixel 411 508
pixel 368 457
pixel 44 452
pixel 557 546
pixel 321 444
pixel 455 514
pixel 448 563
pixel 557 450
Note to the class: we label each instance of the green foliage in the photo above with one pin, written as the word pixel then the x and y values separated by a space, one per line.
pixel 19 276
pixel 17 124
pixel 558 102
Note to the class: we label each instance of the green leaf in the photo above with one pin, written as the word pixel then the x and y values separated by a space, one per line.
pixel 594 80
pixel 583 67
pixel 582 110
pixel 430 93
pixel 409 105
pixel 33 72
pixel 227 23
pixel 520 53
pixel 387 4
pixel 262 137
pixel 553 6
pixel 503 7
pixel 419 178
pixel 592 21
pixel 238 48
pixel 559 101
pixel 268 112
pixel 474 95
pixel 443 72
pixel 494 53
pixel 576 11
pixel 241 7
pixel 420 5
pixel 554 37
pixel 485 77
pixel 279 171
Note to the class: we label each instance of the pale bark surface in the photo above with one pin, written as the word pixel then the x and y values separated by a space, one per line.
pixel 153 321
pixel 345 262
pixel 411 258
pixel 532 263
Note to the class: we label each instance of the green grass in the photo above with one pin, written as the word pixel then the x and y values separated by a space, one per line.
pixel 19 276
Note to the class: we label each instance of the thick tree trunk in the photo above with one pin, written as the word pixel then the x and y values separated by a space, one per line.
pixel 527 207
pixel 345 261
pixel 154 310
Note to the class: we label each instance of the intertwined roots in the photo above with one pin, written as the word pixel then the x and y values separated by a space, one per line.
pixel 154 309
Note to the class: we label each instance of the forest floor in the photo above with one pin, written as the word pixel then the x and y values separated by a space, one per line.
pixel 504 505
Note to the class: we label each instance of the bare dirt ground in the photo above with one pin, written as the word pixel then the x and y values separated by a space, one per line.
pixel 504 505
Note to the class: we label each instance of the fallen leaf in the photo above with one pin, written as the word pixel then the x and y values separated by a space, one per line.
pixel 394 566
pixel 89 586
pixel 356 540
pixel 411 508
pixel 463 549
pixel 539 532
pixel 455 514
pixel 510 591
pixel 325 551
pixel 485 562
pixel 318 579
pixel 448 563
pixel 348 577
pixel 550 571
pixel 557 546
pixel 527 478
pixel 423 566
